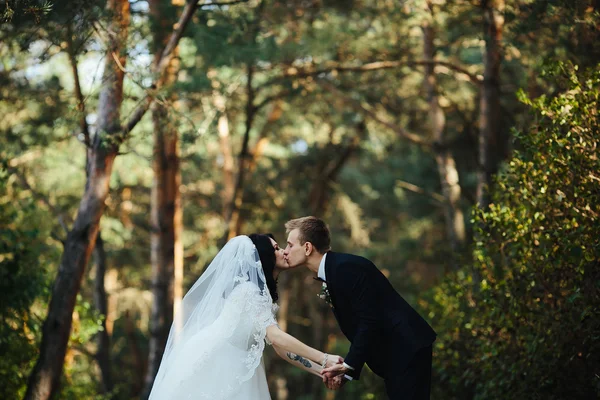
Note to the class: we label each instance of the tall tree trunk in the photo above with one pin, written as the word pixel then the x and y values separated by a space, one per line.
pixel 178 264
pixel 103 352
pixel 448 173
pixel 279 377
pixel 164 236
pixel 492 147
pixel 226 153
pixel 166 214
pixel 45 377
pixel 299 325
pixel 254 156
pixel 100 299
pixel 136 386
pixel 318 316
pixel 233 214
pixel 235 204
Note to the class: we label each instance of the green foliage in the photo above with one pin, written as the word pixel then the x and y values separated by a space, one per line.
pixel 25 8
pixel 524 321
pixel 369 212
pixel 24 259
pixel 77 382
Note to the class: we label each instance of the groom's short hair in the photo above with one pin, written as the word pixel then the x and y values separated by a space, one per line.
pixel 313 230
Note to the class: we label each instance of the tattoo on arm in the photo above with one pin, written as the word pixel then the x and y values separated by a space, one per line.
pixel 301 360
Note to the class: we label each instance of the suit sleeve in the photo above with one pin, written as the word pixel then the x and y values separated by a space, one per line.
pixel 364 302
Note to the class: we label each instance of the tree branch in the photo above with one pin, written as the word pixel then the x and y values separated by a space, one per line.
pixel 293 72
pixel 160 67
pixel 358 106
pixel 223 3
pixel 24 158
pixel 361 133
pixel 78 93
pixel 269 99
pixel 85 352
pixel 416 189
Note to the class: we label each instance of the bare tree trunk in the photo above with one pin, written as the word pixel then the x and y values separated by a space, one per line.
pixel 448 173
pixel 318 196
pixel 166 251
pixel 255 155
pixel 225 144
pixel 178 230
pixel 299 325
pixel 45 377
pixel 318 340
pixel 140 365
pixel 235 204
pixel 100 300
pixel 163 237
pixel 279 378
pixel 492 148
pixel 234 209
pixel 103 352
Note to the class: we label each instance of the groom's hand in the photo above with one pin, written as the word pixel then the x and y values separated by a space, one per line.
pixel 334 370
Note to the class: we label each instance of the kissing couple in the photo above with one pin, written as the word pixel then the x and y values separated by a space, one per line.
pixel 216 343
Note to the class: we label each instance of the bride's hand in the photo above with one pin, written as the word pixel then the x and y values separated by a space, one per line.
pixel 333 360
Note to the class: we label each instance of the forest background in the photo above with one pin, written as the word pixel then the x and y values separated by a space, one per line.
pixel 452 142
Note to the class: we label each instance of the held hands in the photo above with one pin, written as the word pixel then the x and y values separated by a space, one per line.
pixel 333 371
pixel 335 383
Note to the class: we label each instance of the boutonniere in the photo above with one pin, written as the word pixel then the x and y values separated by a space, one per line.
pixel 324 295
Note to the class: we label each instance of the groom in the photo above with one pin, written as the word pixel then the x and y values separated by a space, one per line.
pixel 384 330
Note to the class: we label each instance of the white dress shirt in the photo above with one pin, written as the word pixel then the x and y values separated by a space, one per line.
pixel 321 274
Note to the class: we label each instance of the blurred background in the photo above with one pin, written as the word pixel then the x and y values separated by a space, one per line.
pixel 452 142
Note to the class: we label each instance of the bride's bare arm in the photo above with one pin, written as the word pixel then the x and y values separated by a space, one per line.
pixel 288 344
pixel 299 361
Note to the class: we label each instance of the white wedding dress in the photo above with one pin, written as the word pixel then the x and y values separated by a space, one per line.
pixel 216 342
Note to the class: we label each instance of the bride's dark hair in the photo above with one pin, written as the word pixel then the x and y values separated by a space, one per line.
pixel 266 252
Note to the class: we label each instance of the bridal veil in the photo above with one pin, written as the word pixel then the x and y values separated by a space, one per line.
pixel 215 345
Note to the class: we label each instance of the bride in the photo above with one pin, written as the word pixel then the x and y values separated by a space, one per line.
pixel 215 346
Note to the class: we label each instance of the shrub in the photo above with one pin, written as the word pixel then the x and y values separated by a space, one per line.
pixel 523 322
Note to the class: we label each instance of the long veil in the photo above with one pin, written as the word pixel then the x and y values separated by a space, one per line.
pixel 217 338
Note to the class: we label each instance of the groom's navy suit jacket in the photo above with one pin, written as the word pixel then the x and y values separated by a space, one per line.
pixel 385 331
